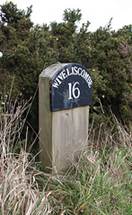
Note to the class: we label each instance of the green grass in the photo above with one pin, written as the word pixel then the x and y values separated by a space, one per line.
pixel 95 186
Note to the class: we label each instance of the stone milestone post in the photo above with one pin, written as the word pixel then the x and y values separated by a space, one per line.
pixel 64 97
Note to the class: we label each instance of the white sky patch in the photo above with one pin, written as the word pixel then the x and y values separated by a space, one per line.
pixel 98 12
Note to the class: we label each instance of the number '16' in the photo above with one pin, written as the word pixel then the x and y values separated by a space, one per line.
pixel 74 91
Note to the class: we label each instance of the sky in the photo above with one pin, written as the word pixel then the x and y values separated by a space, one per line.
pixel 97 12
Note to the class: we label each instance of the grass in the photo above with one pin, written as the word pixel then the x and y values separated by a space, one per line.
pixel 19 192
pixel 99 184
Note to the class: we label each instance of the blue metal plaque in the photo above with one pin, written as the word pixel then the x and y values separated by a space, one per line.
pixel 71 87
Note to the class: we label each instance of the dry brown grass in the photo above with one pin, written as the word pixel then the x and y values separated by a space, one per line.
pixel 19 192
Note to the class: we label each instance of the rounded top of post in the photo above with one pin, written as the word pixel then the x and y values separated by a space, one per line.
pixel 70 85
pixel 51 70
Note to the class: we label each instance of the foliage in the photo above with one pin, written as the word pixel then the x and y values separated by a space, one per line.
pixel 27 49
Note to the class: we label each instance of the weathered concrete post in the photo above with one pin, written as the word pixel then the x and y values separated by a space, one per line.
pixel 64 98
